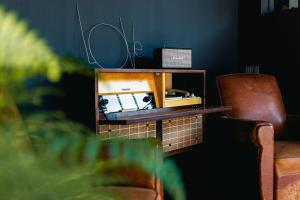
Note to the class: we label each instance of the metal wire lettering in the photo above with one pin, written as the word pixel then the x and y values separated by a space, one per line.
pixel 137 45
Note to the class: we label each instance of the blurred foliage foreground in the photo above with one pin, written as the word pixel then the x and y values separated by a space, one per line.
pixel 44 155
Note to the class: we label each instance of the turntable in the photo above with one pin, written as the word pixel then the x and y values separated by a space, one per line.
pixel 176 97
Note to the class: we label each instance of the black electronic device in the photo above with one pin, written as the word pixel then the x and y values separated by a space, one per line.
pixel 126 102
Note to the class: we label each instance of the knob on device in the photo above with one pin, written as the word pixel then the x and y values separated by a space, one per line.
pixel 103 102
pixel 147 99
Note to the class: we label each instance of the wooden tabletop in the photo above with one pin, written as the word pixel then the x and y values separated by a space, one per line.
pixel 149 70
pixel 159 114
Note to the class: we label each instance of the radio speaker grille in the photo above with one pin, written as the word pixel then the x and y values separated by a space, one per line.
pixel 173 58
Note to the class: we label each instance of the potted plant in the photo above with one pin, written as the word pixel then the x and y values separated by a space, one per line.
pixel 44 155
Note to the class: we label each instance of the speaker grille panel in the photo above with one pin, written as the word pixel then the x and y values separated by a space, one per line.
pixel 173 58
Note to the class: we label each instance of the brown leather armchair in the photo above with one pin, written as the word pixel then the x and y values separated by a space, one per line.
pixel 135 183
pixel 140 186
pixel 263 133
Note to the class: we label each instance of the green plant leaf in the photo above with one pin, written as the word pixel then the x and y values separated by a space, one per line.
pixel 45 156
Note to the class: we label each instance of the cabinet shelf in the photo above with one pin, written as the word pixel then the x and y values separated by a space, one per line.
pixel 98 70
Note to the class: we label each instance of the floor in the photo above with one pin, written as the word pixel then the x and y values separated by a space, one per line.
pixel 207 175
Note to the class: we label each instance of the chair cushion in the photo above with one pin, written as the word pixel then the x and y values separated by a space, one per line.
pixel 287 170
pixel 129 193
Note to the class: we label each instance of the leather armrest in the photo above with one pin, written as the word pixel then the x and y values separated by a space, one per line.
pixel 245 131
pixel 258 135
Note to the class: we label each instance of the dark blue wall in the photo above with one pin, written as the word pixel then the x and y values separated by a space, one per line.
pixel 208 26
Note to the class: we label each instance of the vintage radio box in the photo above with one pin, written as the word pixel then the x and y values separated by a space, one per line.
pixel 172 58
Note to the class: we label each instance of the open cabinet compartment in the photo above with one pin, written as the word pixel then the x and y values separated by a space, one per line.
pixel 178 130
pixel 179 89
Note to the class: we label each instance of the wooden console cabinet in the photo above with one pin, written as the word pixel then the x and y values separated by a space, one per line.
pixel 177 122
